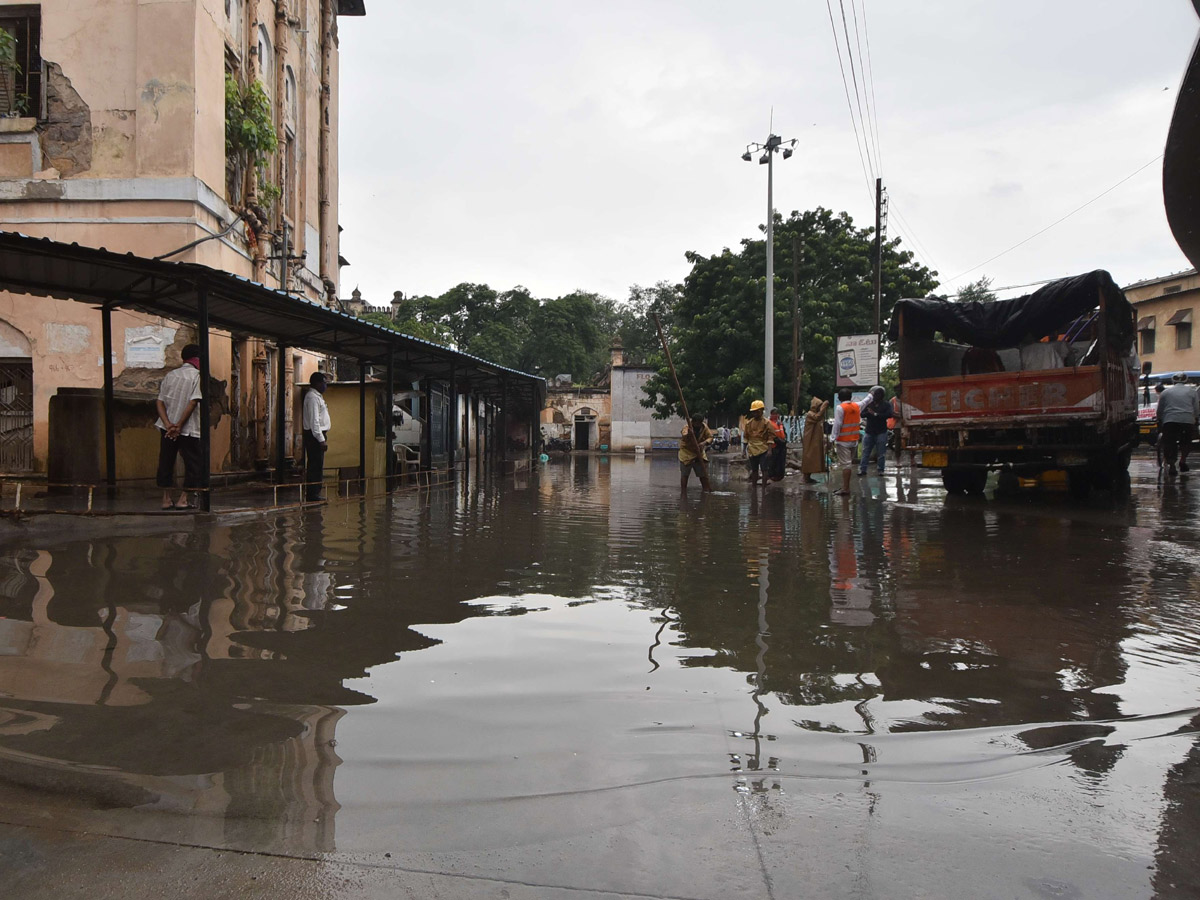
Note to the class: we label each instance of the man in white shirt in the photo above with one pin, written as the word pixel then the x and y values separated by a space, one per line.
pixel 316 434
pixel 178 396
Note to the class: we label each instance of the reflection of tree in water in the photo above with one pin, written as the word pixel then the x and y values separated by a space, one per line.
pixel 982 630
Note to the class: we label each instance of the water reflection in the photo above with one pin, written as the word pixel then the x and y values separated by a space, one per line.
pixel 589 630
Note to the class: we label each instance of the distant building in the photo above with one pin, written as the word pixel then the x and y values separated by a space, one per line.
pixel 1166 309
pixel 609 416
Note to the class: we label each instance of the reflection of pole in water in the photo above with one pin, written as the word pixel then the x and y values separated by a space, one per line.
pixel 760 660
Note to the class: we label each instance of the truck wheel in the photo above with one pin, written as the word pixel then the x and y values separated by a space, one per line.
pixel 976 480
pixel 1008 484
pixel 964 481
pixel 952 481
pixel 1079 483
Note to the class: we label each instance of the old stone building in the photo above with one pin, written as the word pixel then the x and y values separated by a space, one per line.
pixel 124 126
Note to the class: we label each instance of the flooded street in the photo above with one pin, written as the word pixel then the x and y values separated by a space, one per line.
pixel 577 683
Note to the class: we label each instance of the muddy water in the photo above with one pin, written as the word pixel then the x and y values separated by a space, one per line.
pixel 580 679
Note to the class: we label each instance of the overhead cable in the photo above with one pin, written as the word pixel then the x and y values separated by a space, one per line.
pixel 854 79
pixel 846 87
pixel 1057 221
pixel 874 106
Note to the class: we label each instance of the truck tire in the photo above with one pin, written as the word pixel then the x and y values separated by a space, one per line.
pixel 964 481
pixel 1079 483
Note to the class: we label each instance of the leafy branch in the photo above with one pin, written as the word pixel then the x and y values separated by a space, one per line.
pixel 250 136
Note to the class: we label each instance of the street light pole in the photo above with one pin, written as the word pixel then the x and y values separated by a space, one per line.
pixel 770 148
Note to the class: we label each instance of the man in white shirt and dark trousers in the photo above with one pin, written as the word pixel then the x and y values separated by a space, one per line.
pixel 316 433
pixel 178 396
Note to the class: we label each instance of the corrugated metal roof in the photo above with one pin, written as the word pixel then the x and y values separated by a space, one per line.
pixel 49 268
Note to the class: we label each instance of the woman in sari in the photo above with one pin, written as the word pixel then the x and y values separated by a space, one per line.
pixel 812 458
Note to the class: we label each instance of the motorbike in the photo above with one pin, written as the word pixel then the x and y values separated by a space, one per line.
pixel 720 445
pixel 560 444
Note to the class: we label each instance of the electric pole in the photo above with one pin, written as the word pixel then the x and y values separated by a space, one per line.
pixel 773 145
pixel 880 228
pixel 797 329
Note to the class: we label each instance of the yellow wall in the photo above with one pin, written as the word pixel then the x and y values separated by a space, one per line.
pixel 342 400
pixel 1152 300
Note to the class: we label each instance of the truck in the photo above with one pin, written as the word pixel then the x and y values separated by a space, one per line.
pixel 1046 381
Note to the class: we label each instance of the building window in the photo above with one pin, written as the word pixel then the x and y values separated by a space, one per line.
pixel 289 178
pixel 21 84
pixel 289 97
pixel 266 63
pixel 1147 342
pixel 1173 289
pixel 1183 336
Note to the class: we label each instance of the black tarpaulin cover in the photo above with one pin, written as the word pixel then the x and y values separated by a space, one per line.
pixel 1009 323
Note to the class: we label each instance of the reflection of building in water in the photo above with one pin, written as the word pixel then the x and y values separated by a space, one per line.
pixel 118 697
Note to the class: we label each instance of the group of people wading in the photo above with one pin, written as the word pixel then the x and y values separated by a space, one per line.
pixel 868 420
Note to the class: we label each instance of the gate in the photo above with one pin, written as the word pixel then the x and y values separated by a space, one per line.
pixel 16 416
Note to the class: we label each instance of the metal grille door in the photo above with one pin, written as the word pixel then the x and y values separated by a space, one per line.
pixel 16 416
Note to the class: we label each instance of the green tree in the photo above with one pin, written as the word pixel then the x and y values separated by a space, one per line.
pixel 570 335
pixel 980 290
pixel 717 321
pixel 639 338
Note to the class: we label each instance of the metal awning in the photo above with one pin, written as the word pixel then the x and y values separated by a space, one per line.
pixel 1145 323
pixel 49 268
pixel 1181 317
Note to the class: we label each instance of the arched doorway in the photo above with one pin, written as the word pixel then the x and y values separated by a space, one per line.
pixel 16 400
pixel 585 428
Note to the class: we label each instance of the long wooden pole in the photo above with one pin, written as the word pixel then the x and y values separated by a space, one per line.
pixel 704 482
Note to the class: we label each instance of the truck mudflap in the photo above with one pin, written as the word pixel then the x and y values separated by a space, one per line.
pixel 1006 398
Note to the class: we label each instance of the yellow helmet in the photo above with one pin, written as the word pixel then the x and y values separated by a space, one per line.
pixel 757 404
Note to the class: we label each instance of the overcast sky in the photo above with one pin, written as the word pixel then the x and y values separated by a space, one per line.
pixel 564 145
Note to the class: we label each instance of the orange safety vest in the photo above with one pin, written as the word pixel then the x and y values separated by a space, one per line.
pixel 851 417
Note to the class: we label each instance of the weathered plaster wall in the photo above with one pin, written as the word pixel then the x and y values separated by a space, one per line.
pixel 65 344
pixel 634 425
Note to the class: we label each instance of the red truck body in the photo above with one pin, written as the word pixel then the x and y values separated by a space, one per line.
pixel 1080 416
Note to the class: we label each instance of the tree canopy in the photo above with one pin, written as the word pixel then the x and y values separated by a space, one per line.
pixel 714 320
pixel 717 321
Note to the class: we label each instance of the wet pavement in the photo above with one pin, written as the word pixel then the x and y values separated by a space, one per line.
pixel 578 684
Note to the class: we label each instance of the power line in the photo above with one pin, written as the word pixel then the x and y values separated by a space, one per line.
pixel 1057 221
pixel 871 79
pixel 918 244
pixel 854 78
pixel 872 123
pixel 846 87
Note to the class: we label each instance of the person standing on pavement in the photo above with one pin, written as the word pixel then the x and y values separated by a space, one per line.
pixel 688 460
pixel 178 396
pixel 1178 414
pixel 812 445
pixel 760 438
pixel 316 435
pixel 876 412
pixel 846 420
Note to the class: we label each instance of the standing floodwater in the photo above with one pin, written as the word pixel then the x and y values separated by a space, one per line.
pixel 580 679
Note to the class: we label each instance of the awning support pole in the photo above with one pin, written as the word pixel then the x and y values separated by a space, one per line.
pixel 280 413
pixel 362 426
pixel 452 421
pixel 427 431
pixel 389 469
pixel 205 399
pixel 110 429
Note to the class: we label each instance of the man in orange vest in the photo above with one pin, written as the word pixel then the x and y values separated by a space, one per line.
pixel 846 419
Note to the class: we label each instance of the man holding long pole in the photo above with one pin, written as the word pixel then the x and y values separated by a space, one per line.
pixel 693 445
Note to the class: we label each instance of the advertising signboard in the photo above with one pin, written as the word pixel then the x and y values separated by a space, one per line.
pixel 858 360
